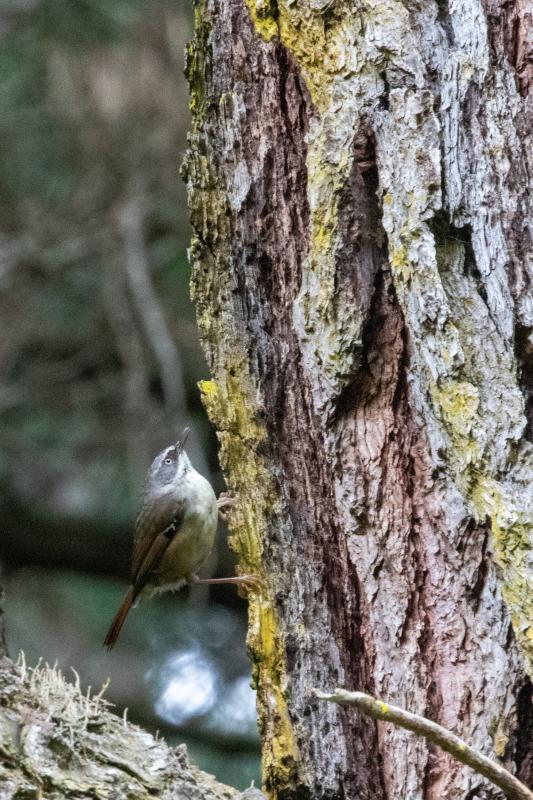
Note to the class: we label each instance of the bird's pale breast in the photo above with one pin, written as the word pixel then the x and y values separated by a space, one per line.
pixel 194 540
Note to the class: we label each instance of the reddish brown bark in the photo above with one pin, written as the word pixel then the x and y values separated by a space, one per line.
pixel 511 26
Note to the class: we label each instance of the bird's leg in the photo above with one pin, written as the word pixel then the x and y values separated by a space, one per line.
pixel 225 502
pixel 250 583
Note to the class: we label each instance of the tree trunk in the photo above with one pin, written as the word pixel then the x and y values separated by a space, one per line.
pixel 358 184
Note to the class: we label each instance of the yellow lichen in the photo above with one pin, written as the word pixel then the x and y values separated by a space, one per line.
pixel 459 402
pixel 500 738
pixel 401 266
pixel 264 23
pixel 511 535
pixel 232 406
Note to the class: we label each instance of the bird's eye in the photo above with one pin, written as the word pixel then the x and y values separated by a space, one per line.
pixel 168 460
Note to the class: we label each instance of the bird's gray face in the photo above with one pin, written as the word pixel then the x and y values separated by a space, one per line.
pixel 170 465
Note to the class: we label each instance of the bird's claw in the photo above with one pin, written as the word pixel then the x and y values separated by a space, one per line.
pixel 250 584
pixel 226 501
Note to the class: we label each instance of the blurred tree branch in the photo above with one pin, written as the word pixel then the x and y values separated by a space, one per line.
pixel 35 536
pixel 130 221
pixel 3 648
pixel 137 399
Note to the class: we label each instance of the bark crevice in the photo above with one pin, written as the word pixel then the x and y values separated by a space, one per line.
pixel 524 734
pixel 524 355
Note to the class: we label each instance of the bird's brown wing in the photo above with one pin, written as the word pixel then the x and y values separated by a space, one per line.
pixel 154 530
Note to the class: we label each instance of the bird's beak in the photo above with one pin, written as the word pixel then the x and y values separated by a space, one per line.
pixel 180 444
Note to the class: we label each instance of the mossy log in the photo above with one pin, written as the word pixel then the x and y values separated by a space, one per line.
pixel 359 179
pixel 57 743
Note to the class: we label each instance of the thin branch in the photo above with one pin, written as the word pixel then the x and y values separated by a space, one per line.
pixel 436 734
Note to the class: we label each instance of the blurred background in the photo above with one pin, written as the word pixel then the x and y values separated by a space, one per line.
pixel 99 361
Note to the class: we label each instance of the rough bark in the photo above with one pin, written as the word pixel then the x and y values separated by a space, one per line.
pixel 358 184
pixel 56 743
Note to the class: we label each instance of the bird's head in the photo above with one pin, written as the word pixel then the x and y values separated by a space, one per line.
pixel 170 465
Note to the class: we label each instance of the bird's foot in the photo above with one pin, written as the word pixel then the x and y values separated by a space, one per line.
pixel 226 501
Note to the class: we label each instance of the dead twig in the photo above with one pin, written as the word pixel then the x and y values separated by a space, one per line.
pixel 436 734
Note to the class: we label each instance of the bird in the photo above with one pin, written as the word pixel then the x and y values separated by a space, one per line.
pixel 174 532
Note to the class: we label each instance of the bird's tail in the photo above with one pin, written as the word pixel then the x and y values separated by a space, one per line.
pixel 118 622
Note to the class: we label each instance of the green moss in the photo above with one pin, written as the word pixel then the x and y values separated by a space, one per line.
pixel 196 52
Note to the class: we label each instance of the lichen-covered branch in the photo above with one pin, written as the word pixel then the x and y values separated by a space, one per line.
pixel 58 743
pixel 436 734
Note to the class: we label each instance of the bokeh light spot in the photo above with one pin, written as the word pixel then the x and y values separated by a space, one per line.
pixel 188 687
